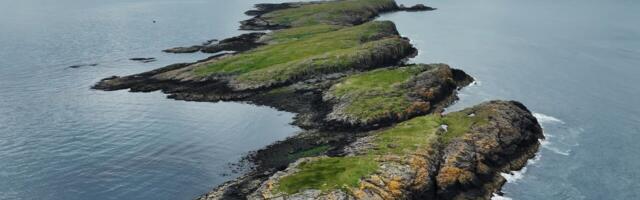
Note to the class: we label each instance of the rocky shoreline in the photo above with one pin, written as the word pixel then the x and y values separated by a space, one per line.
pixel 372 118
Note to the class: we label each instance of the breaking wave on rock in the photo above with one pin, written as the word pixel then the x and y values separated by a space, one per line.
pixel 546 119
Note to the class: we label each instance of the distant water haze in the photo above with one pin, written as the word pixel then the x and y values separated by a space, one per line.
pixel 574 63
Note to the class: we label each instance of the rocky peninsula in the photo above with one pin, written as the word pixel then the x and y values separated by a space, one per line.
pixel 373 124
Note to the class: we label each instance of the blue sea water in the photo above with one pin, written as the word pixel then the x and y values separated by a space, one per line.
pixel 574 63
pixel 61 140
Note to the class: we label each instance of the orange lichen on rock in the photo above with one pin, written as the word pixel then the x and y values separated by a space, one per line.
pixel 452 175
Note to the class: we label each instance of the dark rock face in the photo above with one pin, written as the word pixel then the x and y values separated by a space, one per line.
pixel 261 21
pixel 260 24
pixel 277 157
pixel 471 165
pixel 429 91
pixel 143 60
pixel 417 7
pixel 467 167
pixel 263 8
pixel 83 65
pixel 239 43
pixel 191 49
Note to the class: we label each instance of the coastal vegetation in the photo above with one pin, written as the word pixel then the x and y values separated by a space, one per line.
pixel 298 53
pixel 345 12
pixel 440 156
pixel 375 125
pixel 328 173
pixel 392 94
pixel 377 93
pixel 401 140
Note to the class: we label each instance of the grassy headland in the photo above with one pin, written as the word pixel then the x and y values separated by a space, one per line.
pixel 298 53
pixel 345 12
pixel 392 94
pixel 401 140
pixel 323 62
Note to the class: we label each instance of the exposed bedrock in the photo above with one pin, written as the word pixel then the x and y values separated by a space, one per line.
pixel 239 43
pixel 373 127
pixel 414 8
pixel 344 13
pixel 348 101
pixel 381 97
pixel 459 155
pixel 341 51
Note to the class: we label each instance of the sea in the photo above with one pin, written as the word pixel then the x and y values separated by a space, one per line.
pixel 574 63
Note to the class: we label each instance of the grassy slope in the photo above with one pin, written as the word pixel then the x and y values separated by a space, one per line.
pixel 343 12
pixel 378 93
pixel 329 173
pixel 297 52
pixel 322 40
pixel 401 140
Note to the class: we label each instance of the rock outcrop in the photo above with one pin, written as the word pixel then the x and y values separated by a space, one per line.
pixel 385 96
pixel 417 7
pixel 143 60
pixel 370 131
pixel 239 43
pixel 463 161
pixel 237 76
pixel 288 15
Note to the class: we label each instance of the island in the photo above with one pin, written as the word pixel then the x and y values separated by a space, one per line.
pixel 374 125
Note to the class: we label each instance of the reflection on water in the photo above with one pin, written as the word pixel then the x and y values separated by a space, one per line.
pixel 61 140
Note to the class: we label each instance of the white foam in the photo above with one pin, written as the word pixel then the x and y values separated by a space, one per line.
pixel 534 160
pixel 557 151
pixel 547 145
pixel 498 197
pixel 475 82
pixel 544 142
pixel 514 176
pixel 546 119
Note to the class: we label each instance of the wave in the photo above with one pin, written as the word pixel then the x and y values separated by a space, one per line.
pixel 534 160
pixel 514 176
pixel 499 197
pixel 546 119
pixel 557 151
pixel 475 83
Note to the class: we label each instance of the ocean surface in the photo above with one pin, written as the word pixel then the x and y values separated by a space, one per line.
pixel 60 140
pixel 575 63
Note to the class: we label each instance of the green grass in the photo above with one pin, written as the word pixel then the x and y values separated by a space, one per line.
pixel 321 41
pixel 298 53
pixel 381 80
pixel 334 12
pixel 407 136
pixel 299 33
pixel 459 123
pixel 328 173
pixel 402 139
pixel 294 46
pixel 357 57
pixel 377 93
